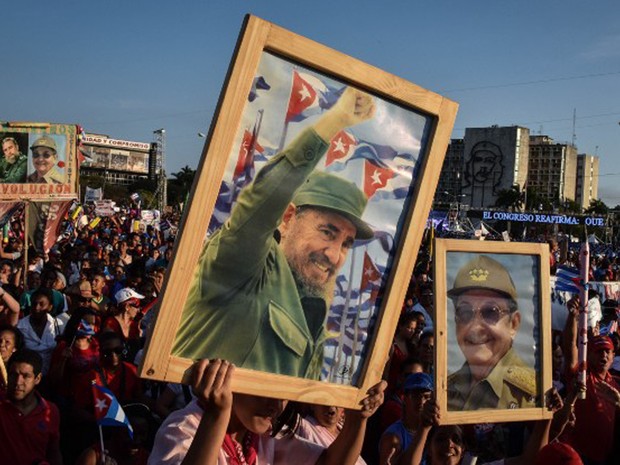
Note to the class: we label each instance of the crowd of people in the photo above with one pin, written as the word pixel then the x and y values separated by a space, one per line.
pixel 79 315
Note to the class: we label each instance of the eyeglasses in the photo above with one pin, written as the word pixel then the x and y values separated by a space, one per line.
pixel 490 313
pixel 45 155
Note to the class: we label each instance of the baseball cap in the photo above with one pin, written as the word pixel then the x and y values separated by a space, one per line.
pixel 601 343
pixel 44 141
pixel 337 194
pixel 483 272
pixel 418 382
pixel 85 290
pixel 126 294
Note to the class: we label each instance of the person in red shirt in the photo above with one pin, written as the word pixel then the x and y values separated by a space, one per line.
pixel 111 372
pixel 126 321
pixel 593 433
pixel 29 424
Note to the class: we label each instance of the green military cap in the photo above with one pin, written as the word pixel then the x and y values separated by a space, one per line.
pixel 484 273
pixel 335 193
pixel 44 141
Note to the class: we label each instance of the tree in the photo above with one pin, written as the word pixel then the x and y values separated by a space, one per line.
pixel 179 187
pixel 510 198
pixel 597 207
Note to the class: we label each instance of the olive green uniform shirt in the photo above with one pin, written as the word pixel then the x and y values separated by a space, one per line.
pixel 511 384
pixel 53 176
pixel 243 305
pixel 14 172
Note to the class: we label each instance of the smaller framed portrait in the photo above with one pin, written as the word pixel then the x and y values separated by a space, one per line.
pixel 493 331
pixel 39 161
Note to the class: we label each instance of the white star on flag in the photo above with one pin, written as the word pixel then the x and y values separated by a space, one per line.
pixel 376 177
pixel 101 404
pixel 339 146
pixel 368 271
pixel 304 93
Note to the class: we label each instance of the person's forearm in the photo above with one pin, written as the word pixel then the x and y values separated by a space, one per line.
pixel 245 240
pixel 570 341
pixel 208 439
pixel 537 440
pixel 12 305
pixel 414 453
pixel 347 447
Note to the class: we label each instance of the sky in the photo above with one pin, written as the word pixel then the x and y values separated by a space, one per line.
pixel 126 69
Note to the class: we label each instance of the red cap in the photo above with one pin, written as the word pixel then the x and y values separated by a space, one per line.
pixel 558 453
pixel 601 343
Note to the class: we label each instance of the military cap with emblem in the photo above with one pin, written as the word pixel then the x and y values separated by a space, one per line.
pixel 44 141
pixel 337 194
pixel 483 272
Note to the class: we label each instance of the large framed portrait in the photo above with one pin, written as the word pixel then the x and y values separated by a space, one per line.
pixel 493 330
pixel 39 161
pixel 303 224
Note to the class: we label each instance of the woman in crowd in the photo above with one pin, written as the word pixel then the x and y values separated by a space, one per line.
pixel 402 347
pixel 125 322
pixel 323 425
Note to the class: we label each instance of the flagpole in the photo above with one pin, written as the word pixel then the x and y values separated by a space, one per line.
pixel 356 323
pixel 3 373
pixel 582 325
pixel 343 320
pixel 102 444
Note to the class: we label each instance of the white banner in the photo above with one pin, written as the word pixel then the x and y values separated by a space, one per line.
pixel 92 195
pixel 104 207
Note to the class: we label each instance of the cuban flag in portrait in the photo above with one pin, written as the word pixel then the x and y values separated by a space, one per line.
pixel 309 96
pixel 341 148
pixel 375 177
pixel 108 412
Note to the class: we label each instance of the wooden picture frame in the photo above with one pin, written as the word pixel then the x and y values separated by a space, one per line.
pixel 268 63
pixel 474 279
pixel 60 180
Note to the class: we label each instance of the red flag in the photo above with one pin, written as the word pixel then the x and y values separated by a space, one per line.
pixel 375 178
pixel 303 95
pixel 340 147
pixel 371 276
pixel 44 222
pixel 249 145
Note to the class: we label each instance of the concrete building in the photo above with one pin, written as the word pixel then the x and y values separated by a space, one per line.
pixel 552 171
pixel 449 185
pixel 587 179
pixel 120 162
pixel 483 163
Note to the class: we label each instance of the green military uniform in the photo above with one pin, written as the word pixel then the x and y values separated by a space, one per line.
pixel 511 384
pixel 14 172
pixel 53 176
pixel 244 305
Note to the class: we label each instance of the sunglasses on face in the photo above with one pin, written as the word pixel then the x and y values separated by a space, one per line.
pixel 45 155
pixel 490 313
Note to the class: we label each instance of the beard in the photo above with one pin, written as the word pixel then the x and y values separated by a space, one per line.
pixel 309 286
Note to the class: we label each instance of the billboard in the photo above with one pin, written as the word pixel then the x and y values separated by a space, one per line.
pixel 115 154
pixel 38 161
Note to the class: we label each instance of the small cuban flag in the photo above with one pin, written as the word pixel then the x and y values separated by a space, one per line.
pixel 567 279
pixel 85 329
pixel 108 412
